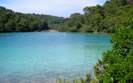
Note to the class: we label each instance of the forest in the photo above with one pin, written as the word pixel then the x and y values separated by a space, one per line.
pixel 11 21
pixel 105 19
pixel 96 19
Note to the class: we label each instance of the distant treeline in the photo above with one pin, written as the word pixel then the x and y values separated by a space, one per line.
pixel 11 21
pixel 106 18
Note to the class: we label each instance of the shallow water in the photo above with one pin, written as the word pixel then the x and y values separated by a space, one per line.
pixel 37 57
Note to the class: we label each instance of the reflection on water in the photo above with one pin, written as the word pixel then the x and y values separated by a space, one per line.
pixel 38 57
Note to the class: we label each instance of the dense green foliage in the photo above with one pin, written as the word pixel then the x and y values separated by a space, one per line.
pixel 106 18
pixel 17 22
pixel 117 66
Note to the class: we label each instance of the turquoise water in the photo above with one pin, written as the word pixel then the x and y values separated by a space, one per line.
pixel 37 57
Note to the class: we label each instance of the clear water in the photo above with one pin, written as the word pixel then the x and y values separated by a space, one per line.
pixel 38 57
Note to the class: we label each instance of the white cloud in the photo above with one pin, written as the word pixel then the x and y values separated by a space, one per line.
pixel 51 7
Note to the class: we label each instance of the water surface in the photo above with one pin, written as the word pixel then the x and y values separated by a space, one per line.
pixel 37 57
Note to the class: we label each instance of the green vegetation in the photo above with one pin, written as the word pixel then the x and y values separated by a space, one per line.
pixel 17 22
pixel 116 65
pixel 106 18
pixel 87 79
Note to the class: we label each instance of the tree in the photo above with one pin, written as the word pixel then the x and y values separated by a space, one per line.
pixel 116 65
pixel 18 22
pixel 107 18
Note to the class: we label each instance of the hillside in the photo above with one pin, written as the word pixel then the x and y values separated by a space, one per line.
pixel 106 18
pixel 99 19
pixel 11 21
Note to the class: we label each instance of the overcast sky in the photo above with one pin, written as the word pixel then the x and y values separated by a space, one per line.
pixel 51 7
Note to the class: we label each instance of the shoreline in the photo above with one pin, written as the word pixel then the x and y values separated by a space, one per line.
pixel 52 30
pixel 99 33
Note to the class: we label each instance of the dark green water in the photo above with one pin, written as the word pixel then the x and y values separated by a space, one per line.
pixel 37 57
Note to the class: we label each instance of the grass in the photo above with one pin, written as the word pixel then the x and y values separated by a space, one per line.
pixel 88 79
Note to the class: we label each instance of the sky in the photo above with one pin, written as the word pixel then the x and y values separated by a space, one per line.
pixel 62 8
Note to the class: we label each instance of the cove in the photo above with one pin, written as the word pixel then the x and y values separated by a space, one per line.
pixel 37 57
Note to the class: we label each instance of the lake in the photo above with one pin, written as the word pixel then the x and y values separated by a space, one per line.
pixel 37 57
